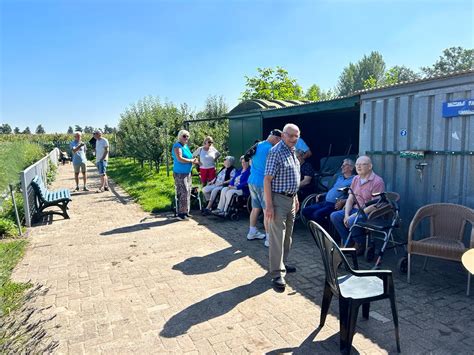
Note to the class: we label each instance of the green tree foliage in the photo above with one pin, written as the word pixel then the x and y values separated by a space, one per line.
pixel 78 128
pixel 40 130
pixel 70 130
pixel 16 130
pixel 313 93
pixel 399 73
pixel 88 129
pixel 452 59
pixel 148 128
pixel 26 131
pixel 272 84
pixel 355 76
pixel 5 129
pixel 108 130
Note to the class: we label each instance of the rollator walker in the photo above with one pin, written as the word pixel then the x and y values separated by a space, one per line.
pixel 383 220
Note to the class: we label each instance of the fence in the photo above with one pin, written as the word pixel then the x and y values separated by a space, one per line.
pixel 39 168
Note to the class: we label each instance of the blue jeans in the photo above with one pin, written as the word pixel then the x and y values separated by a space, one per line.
pixel 102 166
pixel 337 219
pixel 318 212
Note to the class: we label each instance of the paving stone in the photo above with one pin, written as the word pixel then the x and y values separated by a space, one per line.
pixel 125 281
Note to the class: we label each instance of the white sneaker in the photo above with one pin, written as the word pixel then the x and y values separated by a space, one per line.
pixel 256 235
pixel 267 243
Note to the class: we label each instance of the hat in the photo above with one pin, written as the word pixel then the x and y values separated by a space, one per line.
pixel 275 132
pixel 98 131
pixel 231 159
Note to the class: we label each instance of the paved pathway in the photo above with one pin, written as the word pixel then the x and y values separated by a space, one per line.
pixel 124 281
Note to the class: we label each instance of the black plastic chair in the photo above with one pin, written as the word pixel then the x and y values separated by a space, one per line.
pixel 354 288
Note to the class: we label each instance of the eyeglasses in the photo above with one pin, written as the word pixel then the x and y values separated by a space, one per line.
pixel 185 136
pixel 210 142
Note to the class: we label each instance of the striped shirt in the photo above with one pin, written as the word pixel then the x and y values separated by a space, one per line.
pixel 283 165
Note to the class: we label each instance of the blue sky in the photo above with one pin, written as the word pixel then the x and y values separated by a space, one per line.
pixel 67 62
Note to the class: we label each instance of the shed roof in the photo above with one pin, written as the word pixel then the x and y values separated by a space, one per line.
pixel 260 104
pixel 416 81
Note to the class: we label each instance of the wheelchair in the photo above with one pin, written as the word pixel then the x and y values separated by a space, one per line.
pixel 237 206
pixel 383 220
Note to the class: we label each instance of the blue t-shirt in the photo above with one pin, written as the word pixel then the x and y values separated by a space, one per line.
pixel 301 145
pixel 333 193
pixel 179 167
pixel 259 160
pixel 78 157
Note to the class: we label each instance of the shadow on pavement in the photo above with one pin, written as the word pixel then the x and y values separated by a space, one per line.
pixel 219 260
pixel 138 227
pixel 311 346
pixel 212 307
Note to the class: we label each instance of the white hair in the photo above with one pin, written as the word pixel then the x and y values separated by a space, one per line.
pixel 291 126
pixel 78 132
pixel 182 132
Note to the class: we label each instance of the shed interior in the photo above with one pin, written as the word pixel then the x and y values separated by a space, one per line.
pixel 333 133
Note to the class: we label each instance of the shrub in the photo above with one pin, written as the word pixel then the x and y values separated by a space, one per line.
pixel 7 228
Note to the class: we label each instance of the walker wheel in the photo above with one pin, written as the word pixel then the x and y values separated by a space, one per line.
pixel 369 254
pixel 234 217
pixel 403 265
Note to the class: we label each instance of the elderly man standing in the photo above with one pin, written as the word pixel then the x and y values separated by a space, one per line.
pixel 101 157
pixel 79 160
pixel 362 186
pixel 281 182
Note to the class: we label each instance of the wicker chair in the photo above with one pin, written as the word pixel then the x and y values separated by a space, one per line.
pixel 447 226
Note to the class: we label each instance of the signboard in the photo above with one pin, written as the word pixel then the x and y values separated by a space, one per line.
pixel 458 108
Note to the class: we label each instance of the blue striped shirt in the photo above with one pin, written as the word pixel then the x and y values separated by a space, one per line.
pixel 283 165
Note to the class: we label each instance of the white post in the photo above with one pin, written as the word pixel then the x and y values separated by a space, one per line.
pixel 26 202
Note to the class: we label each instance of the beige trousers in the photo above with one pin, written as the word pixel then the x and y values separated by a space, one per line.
pixel 280 233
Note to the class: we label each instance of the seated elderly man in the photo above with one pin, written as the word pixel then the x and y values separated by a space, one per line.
pixel 332 199
pixel 363 185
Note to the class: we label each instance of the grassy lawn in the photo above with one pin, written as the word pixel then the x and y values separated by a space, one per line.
pixel 153 191
pixel 10 292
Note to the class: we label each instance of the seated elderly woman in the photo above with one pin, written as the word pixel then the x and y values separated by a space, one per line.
pixel 237 186
pixel 222 179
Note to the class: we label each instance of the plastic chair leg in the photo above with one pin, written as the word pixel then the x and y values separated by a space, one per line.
pixel 395 320
pixel 352 320
pixel 343 325
pixel 327 297
pixel 366 310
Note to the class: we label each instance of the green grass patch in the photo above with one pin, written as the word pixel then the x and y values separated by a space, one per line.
pixel 10 292
pixel 153 190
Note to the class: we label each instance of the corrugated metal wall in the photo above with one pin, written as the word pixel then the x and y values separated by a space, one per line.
pixel 410 118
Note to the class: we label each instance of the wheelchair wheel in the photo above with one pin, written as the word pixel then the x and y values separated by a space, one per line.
pixel 308 201
pixel 234 217
pixel 403 265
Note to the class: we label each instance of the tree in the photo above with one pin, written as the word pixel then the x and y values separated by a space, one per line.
pixel 313 93
pixel 70 130
pixel 78 128
pixel 399 73
pixel 453 59
pixel 108 130
pixel 5 129
pixel 40 130
pixel 16 130
pixel 88 129
pixel 26 130
pixel 355 76
pixel 272 84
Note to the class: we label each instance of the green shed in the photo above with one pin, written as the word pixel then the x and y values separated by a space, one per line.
pixel 323 124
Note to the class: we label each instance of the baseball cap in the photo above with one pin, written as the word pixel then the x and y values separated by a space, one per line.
pixel 275 132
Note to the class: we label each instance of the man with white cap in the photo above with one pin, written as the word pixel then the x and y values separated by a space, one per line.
pixel 101 158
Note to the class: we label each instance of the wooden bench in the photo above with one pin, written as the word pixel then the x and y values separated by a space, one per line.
pixel 45 198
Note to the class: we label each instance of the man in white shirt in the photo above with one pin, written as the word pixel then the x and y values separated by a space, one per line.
pixel 101 158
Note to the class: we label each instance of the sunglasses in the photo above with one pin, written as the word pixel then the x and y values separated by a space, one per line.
pixel 185 136
pixel 210 142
